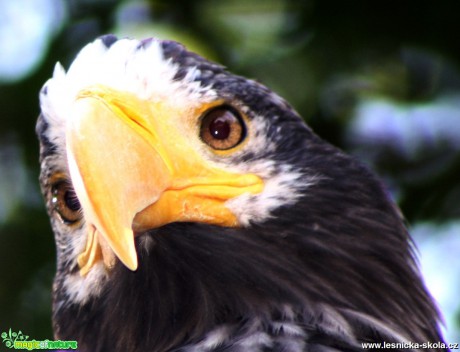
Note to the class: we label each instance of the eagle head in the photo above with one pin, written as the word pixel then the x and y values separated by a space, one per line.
pixel 194 210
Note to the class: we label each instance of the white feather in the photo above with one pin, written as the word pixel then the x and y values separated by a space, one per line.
pixel 126 66
pixel 140 68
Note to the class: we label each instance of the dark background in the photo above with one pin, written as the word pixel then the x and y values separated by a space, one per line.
pixel 380 79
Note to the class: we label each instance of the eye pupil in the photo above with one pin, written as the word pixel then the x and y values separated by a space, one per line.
pixel 220 128
pixel 71 200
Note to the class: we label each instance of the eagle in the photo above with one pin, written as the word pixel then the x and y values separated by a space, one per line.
pixel 194 210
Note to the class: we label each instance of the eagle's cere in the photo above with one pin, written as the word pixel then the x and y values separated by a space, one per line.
pixel 193 210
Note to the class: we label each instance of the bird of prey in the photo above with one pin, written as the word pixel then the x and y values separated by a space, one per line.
pixel 194 210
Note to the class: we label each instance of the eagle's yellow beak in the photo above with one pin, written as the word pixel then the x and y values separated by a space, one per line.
pixel 133 169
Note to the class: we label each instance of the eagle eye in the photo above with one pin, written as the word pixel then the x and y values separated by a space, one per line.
pixel 65 202
pixel 222 128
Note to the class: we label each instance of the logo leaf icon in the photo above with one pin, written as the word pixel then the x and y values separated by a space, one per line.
pixel 10 337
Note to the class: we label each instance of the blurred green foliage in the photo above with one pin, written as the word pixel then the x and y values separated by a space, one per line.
pixel 325 57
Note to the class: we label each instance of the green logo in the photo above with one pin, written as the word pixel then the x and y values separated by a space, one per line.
pixel 19 341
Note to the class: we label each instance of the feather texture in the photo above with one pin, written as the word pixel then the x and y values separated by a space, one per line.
pixel 323 263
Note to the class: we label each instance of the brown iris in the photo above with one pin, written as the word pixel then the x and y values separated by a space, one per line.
pixel 222 128
pixel 65 202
